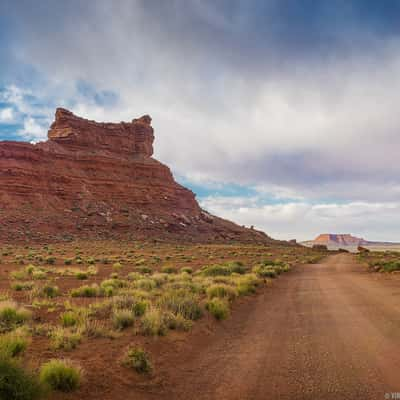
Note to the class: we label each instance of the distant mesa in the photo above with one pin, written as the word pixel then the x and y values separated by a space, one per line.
pixel 99 180
pixel 344 241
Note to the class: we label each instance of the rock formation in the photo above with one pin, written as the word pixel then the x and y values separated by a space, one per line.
pixel 98 180
pixel 344 239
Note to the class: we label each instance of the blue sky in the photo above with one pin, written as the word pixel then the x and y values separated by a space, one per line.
pixel 281 114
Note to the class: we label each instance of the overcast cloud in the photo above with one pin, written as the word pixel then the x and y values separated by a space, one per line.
pixel 294 101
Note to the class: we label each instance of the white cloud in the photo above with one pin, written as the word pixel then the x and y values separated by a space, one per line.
pixel 6 115
pixel 321 130
pixel 32 130
pixel 303 220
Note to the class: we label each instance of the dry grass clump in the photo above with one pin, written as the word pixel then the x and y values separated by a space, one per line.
pixel 218 308
pixel 12 315
pixel 137 359
pixel 61 375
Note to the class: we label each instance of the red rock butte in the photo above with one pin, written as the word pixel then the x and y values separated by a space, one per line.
pixel 343 239
pixel 99 180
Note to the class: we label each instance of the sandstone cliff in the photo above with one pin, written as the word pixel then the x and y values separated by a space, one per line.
pixel 98 180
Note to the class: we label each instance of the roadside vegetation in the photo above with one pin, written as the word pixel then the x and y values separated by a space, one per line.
pixel 381 261
pixel 55 300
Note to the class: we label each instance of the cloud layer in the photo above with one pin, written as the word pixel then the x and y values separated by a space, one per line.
pixel 286 97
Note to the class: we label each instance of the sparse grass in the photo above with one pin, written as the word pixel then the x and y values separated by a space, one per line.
pixel 12 344
pixel 86 291
pixel 65 338
pixel 123 318
pixel 12 315
pixel 221 291
pixel 50 291
pixel 17 383
pixel 69 318
pixel 181 302
pixel 137 359
pixel 22 286
pixel 61 375
pixel 218 308
pixel 153 323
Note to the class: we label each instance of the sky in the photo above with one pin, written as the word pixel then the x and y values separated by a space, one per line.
pixel 280 114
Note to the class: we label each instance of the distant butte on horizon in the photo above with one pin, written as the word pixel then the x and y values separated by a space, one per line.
pixel 343 239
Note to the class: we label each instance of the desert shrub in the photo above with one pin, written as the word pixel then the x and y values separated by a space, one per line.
pixel 219 308
pixel 390 266
pixel 19 275
pixel 12 315
pixel 19 286
pixel 123 318
pixel 68 261
pixel 144 270
pixel 81 275
pixel 69 318
pixel 113 283
pixel 50 291
pixel 221 291
pixel 61 375
pixel 187 270
pixel 63 338
pixel 133 276
pixel 140 307
pixel 181 302
pixel 169 270
pixel 50 260
pixel 86 291
pixel 16 383
pixel 265 271
pixel 12 344
pixel 117 266
pixel 245 288
pixel 124 301
pixel 153 323
pixel 177 322
pixel 223 269
pixel 215 270
pixel 236 267
pixel 90 260
pixel 39 274
pixel 137 359
pixel 145 284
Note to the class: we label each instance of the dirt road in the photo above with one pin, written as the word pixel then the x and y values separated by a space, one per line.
pixel 324 331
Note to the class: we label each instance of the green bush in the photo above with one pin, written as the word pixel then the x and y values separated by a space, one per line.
pixel 265 271
pixel 144 270
pixel 140 307
pixel 137 359
pixel 50 291
pixel 169 270
pixel 222 291
pixel 63 338
pixel 123 319
pixel 85 291
pixel 19 286
pixel 16 383
pixel 12 315
pixel 60 375
pixel 81 275
pixel 219 308
pixel 69 318
pixel 153 323
pixel 182 302
pixel 12 345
